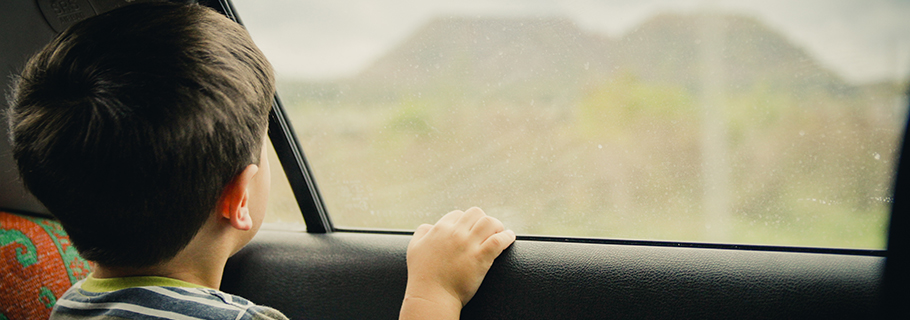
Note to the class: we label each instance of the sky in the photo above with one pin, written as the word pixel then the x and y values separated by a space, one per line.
pixel 861 40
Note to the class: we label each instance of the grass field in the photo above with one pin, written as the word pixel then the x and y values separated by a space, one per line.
pixel 625 159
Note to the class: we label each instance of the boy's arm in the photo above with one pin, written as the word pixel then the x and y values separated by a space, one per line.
pixel 447 262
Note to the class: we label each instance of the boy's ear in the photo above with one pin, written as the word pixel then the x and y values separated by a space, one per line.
pixel 233 205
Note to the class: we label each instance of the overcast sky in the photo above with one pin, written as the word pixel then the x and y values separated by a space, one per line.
pixel 862 40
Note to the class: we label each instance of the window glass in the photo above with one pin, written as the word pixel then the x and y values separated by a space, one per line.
pixel 759 122
pixel 282 211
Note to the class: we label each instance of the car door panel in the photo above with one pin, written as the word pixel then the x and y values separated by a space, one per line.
pixel 345 275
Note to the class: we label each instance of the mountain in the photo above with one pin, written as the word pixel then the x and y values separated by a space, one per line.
pixel 492 55
pixel 673 48
pixel 541 57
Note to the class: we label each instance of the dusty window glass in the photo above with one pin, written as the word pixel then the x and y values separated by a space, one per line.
pixel 282 211
pixel 761 122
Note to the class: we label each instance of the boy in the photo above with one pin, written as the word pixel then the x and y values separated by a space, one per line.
pixel 143 131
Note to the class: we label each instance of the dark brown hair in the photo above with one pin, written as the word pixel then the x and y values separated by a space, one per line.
pixel 130 124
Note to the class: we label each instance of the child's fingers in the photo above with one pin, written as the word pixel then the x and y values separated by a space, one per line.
pixel 451 217
pixel 422 230
pixel 497 242
pixel 487 225
pixel 470 217
pixel 419 233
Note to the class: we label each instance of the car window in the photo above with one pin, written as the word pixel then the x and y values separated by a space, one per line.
pixel 756 122
pixel 282 210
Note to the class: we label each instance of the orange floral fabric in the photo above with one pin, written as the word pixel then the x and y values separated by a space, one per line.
pixel 38 264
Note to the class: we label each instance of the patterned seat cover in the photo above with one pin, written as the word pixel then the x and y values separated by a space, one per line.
pixel 38 264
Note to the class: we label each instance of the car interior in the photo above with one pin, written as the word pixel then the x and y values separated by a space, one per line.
pixel 329 271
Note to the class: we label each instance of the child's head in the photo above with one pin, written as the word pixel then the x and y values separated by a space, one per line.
pixel 129 125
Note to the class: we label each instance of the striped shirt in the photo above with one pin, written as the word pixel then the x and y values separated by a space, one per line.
pixel 154 298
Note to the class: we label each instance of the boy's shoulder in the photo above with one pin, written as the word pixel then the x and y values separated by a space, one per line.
pixel 153 298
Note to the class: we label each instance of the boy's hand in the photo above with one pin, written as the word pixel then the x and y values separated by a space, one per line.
pixel 447 261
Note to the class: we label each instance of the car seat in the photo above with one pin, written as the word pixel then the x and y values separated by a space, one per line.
pixel 37 264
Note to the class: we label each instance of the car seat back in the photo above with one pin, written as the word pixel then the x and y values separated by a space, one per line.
pixel 37 265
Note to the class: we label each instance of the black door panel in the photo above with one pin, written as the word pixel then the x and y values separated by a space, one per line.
pixel 362 276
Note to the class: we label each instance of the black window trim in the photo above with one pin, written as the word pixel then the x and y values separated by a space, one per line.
pixel 297 170
pixel 896 279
